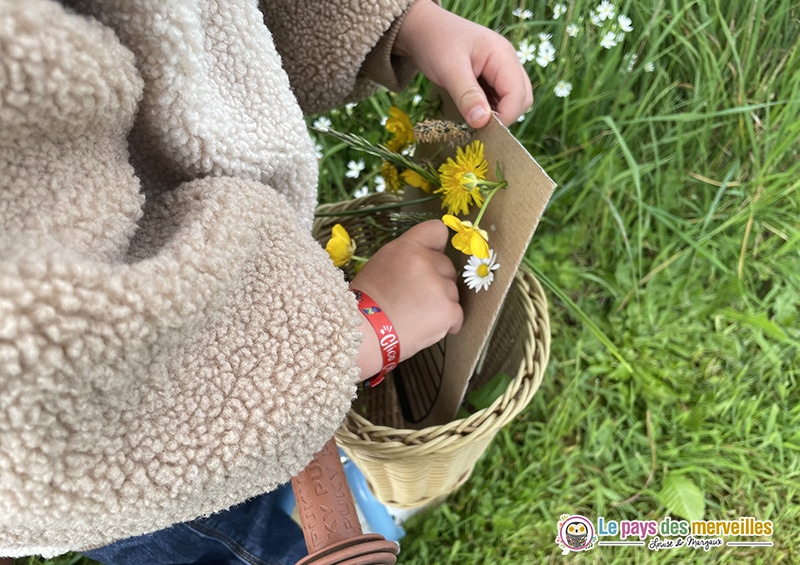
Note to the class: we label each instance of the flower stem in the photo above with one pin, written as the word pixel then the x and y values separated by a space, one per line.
pixel 495 187
pixel 381 208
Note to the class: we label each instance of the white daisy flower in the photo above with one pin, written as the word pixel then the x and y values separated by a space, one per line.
pixel 609 40
pixel 572 30
pixel 559 10
pixel 522 14
pixel 479 273
pixel 625 23
pixel 355 168
pixel 526 51
pixel 547 54
pixel 649 67
pixel 563 89
pixel 323 123
pixel 605 11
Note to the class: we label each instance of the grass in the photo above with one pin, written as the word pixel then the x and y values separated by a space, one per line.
pixel 671 257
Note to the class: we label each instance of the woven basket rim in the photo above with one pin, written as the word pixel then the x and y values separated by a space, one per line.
pixel 356 429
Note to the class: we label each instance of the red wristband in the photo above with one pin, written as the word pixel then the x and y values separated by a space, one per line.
pixel 387 336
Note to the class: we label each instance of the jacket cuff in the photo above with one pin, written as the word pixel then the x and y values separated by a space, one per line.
pixel 381 66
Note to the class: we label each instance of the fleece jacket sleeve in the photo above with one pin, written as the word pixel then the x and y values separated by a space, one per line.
pixel 324 46
pixel 162 359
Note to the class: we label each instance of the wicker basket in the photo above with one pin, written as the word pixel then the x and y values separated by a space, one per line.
pixel 407 468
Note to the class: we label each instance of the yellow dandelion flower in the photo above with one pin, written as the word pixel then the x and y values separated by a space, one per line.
pixel 400 126
pixel 470 240
pixel 391 176
pixel 340 247
pixel 460 179
pixel 413 178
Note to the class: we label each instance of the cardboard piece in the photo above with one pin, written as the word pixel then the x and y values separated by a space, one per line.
pixel 431 386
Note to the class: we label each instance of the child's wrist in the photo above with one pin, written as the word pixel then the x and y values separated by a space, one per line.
pixel 385 336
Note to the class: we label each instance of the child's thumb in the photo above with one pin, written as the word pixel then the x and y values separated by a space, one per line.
pixel 471 102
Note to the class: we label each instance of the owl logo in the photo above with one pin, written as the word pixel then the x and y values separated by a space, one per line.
pixel 575 533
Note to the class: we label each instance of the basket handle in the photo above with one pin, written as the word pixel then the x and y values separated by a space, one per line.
pixel 328 516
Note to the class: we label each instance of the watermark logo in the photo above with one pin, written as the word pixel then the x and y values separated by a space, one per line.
pixel 579 533
pixel 575 533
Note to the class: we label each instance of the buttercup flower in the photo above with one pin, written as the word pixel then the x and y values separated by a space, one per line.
pixel 469 240
pixel 355 168
pixel 460 179
pixel 413 178
pixel 479 273
pixel 391 177
pixel 563 89
pixel 400 125
pixel 340 247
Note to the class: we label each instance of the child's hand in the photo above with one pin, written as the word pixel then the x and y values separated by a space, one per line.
pixel 414 283
pixel 455 53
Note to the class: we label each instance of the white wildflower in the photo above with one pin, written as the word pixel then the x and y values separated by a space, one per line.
pixel 563 89
pixel 649 67
pixel 559 10
pixel 416 99
pixel 625 23
pixel 632 58
pixel 354 169
pixel 572 30
pixel 479 273
pixel 547 54
pixel 318 150
pixel 609 40
pixel 526 51
pixel 605 11
pixel 323 123
pixel 361 192
pixel 595 18
pixel 380 184
pixel 522 14
pixel 545 37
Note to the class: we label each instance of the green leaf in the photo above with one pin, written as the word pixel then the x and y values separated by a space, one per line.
pixel 682 497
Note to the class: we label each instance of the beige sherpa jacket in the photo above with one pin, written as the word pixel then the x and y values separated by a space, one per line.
pixel 172 340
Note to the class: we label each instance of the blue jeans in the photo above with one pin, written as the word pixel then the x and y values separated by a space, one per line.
pixel 257 532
